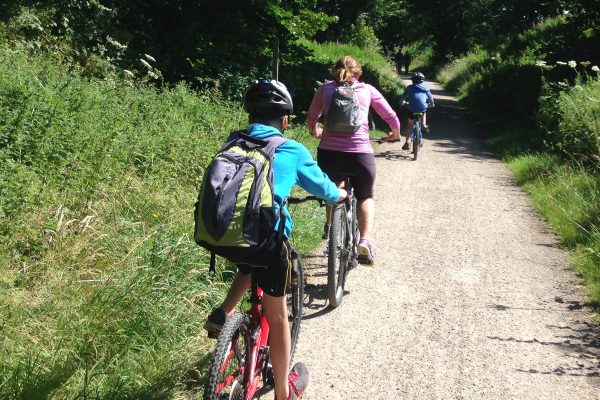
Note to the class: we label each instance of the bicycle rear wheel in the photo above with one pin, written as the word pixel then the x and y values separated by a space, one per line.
pixel 353 257
pixel 338 256
pixel 226 373
pixel 416 143
pixel 295 300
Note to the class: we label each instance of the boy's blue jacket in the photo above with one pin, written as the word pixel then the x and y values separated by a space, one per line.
pixel 417 95
pixel 294 165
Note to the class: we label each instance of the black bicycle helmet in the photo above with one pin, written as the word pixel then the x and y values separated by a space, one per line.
pixel 417 77
pixel 267 96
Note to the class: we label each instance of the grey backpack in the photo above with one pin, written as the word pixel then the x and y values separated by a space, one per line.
pixel 344 111
pixel 235 212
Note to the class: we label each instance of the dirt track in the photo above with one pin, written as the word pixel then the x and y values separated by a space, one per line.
pixel 471 296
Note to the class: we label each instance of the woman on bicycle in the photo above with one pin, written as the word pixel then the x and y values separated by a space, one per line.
pixel 419 98
pixel 343 154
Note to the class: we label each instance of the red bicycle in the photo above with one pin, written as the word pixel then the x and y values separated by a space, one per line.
pixel 241 365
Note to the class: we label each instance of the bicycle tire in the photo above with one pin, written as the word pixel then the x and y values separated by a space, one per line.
pixel 416 143
pixel 338 256
pixel 295 301
pixel 226 373
pixel 353 262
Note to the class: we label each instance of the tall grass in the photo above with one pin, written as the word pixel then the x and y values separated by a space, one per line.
pixel 569 199
pixel 102 291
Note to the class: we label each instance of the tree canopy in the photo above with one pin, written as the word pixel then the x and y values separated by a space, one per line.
pixel 212 43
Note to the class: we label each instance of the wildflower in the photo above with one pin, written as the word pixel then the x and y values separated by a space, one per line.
pixel 128 73
pixel 146 64
pixel 561 63
pixel 116 44
pixel 540 63
pixel 572 64
pixel 152 75
pixel 585 63
pixel 149 57
pixel 595 68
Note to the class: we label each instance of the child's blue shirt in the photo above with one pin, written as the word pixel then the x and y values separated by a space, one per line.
pixel 294 165
pixel 417 94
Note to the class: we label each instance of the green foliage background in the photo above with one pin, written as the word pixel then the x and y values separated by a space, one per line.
pixel 110 110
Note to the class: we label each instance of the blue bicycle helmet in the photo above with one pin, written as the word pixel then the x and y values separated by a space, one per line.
pixel 265 96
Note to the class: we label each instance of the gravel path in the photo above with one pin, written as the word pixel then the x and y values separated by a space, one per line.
pixel 471 296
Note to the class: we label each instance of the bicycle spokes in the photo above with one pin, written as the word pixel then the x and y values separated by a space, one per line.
pixel 232 369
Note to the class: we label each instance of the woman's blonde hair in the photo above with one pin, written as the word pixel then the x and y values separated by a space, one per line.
pixel 345 70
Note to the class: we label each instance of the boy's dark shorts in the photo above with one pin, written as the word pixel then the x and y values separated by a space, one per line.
pixel 272 264
pixel 360 167
pixel 415 115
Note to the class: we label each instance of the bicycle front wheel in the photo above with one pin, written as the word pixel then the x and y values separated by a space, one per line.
pixel 226 373
pixel 338 256
pixel 295 300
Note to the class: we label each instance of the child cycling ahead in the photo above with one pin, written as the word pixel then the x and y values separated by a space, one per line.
pixel 269 104
pixel 419 97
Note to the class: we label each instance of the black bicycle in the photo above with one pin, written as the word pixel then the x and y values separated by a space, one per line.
pixel 342 246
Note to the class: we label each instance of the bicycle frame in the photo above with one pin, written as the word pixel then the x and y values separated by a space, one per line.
pixel 241 366
pixel 417 128
pixel 260 336
pixel 416 135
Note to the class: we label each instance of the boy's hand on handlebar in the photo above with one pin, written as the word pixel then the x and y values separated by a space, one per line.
pixel 343 196
pixel 317 132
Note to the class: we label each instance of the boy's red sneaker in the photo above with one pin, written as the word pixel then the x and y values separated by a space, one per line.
pixel 298 381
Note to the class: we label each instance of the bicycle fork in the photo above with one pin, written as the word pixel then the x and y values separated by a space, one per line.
pixel 352 244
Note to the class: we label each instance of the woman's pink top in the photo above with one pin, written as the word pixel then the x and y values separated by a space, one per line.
pixel 359 141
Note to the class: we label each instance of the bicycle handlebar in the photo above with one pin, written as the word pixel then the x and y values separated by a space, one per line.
pixel 298 200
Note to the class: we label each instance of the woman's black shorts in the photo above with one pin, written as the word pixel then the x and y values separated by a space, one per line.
pixel 360 167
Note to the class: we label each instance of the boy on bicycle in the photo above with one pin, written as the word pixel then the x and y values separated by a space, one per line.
pixel 269 105
pixel 419 97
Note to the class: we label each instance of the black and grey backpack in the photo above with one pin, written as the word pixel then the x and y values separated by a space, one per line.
pixel 235 214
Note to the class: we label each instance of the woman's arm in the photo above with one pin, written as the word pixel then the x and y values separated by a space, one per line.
pixel 383 109
pixel 314 112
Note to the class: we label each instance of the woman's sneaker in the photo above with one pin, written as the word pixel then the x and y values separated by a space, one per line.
pixel 298 381
pixel 366 252
pixel 214 323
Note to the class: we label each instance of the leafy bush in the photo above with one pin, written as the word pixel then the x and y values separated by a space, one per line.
pixel 304 77
pixel 571 115
pixel 364 37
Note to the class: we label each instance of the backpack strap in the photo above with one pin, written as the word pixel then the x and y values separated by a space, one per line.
pixel 211 268
pixel 273 143
pixel 267 146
